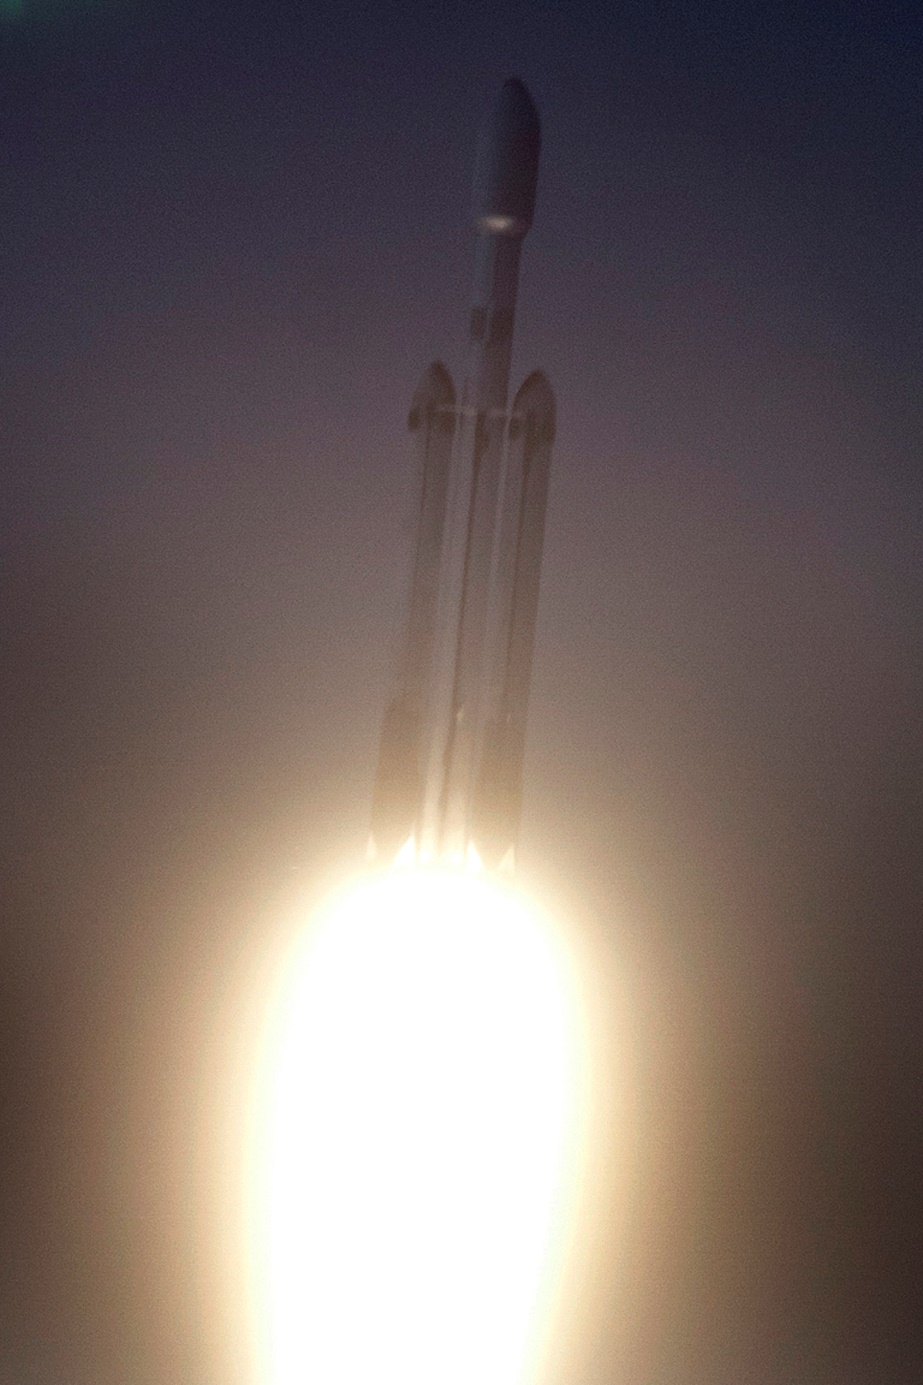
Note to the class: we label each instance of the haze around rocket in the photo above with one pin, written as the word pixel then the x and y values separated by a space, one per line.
pixel 449 780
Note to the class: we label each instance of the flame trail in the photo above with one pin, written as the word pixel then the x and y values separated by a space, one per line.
pixel 421 1129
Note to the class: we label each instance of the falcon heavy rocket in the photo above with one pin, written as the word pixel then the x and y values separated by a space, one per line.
pixel 449 779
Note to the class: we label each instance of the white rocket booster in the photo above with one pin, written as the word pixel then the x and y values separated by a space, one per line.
pixel 449 779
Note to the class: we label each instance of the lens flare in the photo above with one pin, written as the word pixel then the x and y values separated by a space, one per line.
pixel 420 1122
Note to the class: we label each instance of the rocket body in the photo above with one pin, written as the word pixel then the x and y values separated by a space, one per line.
pixel 450 766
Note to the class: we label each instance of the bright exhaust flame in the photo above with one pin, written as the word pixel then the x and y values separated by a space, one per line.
pixel 417 1177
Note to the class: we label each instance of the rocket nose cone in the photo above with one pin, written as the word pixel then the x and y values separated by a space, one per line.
pixel 506 170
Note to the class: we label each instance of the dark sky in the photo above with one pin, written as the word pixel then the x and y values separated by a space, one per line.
pixel 232 237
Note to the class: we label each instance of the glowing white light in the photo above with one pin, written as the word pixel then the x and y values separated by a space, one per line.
pixel 420 1134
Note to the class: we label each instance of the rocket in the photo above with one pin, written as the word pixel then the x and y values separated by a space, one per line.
pixel 448 786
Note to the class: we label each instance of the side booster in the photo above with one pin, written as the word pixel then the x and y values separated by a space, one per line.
pixel 449 780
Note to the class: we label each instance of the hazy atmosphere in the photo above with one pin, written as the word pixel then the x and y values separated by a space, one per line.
pixel 232 237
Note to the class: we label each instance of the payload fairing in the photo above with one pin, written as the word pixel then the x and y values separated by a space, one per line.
pixel 449 780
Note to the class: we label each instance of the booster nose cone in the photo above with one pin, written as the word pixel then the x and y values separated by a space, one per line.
pixel 506 169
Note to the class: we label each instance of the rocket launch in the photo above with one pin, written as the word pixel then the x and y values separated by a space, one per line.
pixel 449 781
pixel 425 1115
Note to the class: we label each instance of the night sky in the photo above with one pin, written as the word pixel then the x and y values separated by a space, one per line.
pixel 231 237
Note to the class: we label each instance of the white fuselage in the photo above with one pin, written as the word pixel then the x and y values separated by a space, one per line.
pixel 466 598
